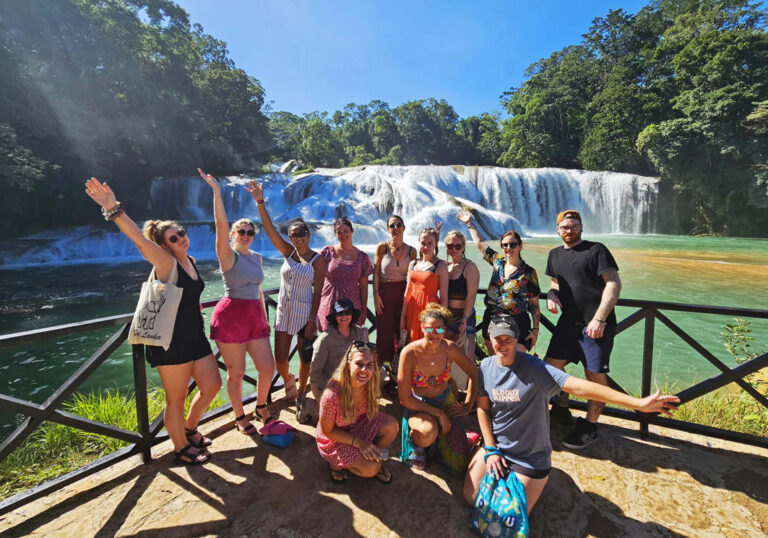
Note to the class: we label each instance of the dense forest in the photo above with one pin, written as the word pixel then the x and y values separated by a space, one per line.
pixel 129 90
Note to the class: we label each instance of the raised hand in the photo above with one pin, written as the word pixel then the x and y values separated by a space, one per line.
pixel 438 226
pixel 256 190
pixel 100 193
pixel 208 178
pixel 464 216
pixel 656 403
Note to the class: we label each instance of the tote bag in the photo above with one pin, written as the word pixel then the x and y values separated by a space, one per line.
pixel 500 509
pixel 155 314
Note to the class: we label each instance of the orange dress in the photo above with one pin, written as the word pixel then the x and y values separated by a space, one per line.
pixel 422 289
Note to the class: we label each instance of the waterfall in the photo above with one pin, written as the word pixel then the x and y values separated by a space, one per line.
pixel 526 200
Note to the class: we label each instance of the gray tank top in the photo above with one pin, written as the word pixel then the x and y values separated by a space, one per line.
pixel 243 280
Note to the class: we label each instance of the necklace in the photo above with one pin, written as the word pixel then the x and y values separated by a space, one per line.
pixel 393 252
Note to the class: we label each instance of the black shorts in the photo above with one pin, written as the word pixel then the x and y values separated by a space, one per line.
pixel 188 344
pixel 530 473
pixel 570 343
pixel 523 322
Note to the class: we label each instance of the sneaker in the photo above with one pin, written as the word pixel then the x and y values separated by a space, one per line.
pixel 561 415
pixel 584 434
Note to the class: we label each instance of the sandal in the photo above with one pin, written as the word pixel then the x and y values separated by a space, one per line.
pixel 197 442
pixel 338 476
pixel 291 390
pixel 250 429
pixel 260 418
pixel 194 459
pixel 385 474
pixel 418 458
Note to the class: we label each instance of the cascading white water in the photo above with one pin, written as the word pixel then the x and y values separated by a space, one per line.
pixel 526 200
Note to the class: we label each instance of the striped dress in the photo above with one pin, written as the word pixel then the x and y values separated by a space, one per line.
pixel 294 302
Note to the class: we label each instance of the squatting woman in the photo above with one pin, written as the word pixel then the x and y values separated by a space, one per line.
pixel 432 416
pixel 301 281
pixel 164 244
pixel 239 321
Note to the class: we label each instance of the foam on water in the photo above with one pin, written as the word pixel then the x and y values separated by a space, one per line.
pixel 502 198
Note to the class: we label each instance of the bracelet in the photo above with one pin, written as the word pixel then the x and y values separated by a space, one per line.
pixel 113 212
pixel 557 293
pixel 113 216
pixel 470 226
pixel 600 321
pixel 260 202
pixel 491 451
pixel 353 441
pixel 535 329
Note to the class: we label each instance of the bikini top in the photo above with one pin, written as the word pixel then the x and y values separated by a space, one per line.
pixel 420 380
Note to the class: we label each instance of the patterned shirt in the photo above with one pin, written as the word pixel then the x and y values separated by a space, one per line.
pixel 510 295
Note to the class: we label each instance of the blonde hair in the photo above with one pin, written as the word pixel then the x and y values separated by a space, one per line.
pixel 237 223
pixel 436 311
pixel 154 230
pixel 457 233
pixel 344 379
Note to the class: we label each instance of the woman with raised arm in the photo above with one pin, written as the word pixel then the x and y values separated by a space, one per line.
pixel 390 277
pixel 301 281
pixel 432 416
pixel 514 389
pixel 164 244
pixel 347 274
pixel 352 433
pixel 514 286
pixel 239 321
pixel 427 283
pixel 464 277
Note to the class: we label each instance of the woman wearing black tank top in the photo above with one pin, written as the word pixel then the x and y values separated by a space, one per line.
pixel 463 280
pixel 163 244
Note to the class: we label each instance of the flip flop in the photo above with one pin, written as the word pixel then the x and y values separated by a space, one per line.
pixel 338 476
pixel 385 475
pixel 418 459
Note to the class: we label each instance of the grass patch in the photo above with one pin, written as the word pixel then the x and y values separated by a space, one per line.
pixel 54 449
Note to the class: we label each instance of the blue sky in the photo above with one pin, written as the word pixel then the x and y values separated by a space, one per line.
pixel 321 55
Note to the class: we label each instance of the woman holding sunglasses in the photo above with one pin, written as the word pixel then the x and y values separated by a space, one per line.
pixel 301 281
pixel 239 321
pixel 514 286
pixel 390 277
pixel 432 416
pixel 347 274
pixel 427 283
pixel 352 433
pixel 163 244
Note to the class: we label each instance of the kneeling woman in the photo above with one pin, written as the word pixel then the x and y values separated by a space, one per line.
pixel 352 432
pixel 432 416
pixel 514 390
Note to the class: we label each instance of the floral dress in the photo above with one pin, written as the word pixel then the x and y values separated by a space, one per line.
pixel 342 280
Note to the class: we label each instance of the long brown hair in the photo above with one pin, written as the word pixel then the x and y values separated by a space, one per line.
pixel 343 378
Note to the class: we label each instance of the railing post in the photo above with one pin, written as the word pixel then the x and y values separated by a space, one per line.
pixel 645 389
pixel 142 407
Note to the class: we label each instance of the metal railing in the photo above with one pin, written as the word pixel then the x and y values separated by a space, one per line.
pixel 149 433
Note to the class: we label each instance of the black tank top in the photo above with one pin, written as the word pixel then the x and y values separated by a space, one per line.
pixel 457 287
pixel 193 289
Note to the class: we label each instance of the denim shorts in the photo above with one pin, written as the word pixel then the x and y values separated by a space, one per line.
pixel 570 343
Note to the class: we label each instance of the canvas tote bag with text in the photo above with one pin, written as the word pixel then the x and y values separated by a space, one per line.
pixel 155 314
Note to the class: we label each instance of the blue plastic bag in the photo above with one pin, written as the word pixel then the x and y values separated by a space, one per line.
pixel 500 509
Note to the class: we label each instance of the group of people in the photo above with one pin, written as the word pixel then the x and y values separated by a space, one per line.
pixel 420 299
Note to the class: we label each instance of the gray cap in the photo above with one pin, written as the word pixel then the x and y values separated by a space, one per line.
pixel 503 325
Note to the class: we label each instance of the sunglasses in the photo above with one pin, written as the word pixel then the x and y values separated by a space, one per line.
pixel 511 244
pixel 179 234
pixel 430 330
pixel 453 246
pixel 362 346
pixel 298 235
pixel 395 225
pixel 344 313
pixel 250 233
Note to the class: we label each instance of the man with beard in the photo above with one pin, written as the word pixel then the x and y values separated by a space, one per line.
pixel 585 285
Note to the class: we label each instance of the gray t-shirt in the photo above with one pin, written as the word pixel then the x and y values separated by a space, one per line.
pixel 519 397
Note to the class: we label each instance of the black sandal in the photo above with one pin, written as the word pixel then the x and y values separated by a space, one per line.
pixel 250 429
pixel 258 416
pixel 385 474
pixel 202 443
pixel 194 459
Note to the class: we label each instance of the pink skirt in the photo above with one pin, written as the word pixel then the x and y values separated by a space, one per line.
pixel 238 321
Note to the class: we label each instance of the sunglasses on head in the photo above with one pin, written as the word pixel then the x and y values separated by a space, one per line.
pixel 396 225
pixel 430 330
pixel 250 233
pixel 453 246
pixel 181 232
pixel 362 346
pixel 298 235
pixel 511 244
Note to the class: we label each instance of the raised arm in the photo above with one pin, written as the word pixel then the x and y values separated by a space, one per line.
pixel 161 259
pixel 465 217
pixel 608 301
pixel 655 403
pixel 377 303
pixel 256 190
pixel 223 250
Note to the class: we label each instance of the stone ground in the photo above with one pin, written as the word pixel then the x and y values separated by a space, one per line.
pixel 673 484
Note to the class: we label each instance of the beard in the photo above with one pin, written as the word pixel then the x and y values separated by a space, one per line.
pixel 571 238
